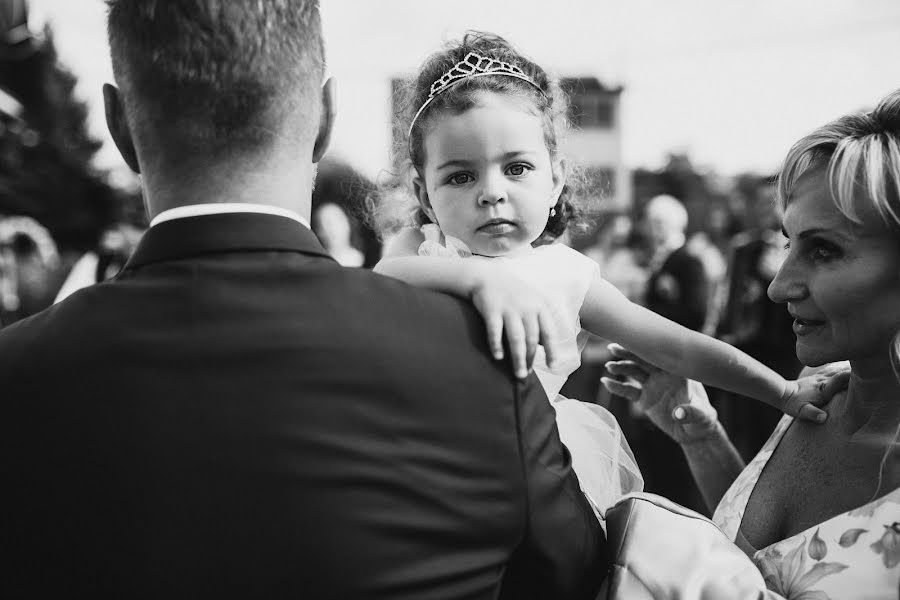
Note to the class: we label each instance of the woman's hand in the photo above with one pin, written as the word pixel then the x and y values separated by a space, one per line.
pixel 524 313
pixel 678 406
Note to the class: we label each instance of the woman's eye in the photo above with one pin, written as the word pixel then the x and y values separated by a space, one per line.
pixel 459 179
pixel 517 169
pixel 823 252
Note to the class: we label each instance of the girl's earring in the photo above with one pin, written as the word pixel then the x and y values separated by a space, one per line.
pixel 552 211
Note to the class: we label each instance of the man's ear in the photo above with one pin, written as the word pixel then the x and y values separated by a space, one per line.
pixel 117 123
pixel 326 121
pixel 560 173
pixel 422 196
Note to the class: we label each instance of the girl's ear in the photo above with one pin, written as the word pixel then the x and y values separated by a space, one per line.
pixel 422 197
pixel 560 172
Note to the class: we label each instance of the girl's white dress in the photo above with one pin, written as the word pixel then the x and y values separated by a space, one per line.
pixel 602 460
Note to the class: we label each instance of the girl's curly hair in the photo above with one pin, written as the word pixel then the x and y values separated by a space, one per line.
pixel 394 206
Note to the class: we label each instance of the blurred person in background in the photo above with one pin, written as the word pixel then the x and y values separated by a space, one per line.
pixel 29 261
pixel 615 252
pixel 116 245
pixel 332 226
pixel 677 288
pixel 751 321
pixel 709 245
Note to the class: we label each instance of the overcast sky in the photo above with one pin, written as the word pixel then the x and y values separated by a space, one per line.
pixel 732 83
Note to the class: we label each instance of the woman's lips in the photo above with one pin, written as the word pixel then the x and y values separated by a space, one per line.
pixel 806 326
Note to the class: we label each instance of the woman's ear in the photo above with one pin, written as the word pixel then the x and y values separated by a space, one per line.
pixel 560 173
pixel 422 196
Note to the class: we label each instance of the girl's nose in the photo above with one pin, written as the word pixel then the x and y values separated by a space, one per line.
pixel 492 192
pixel 788 284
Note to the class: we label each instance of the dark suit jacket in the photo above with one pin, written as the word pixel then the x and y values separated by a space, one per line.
pixel 679 290
pixel 235 415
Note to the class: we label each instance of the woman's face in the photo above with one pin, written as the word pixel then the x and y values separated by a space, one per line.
pixel 840 280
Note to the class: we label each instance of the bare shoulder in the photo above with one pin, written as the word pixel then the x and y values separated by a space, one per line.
pixel 405 242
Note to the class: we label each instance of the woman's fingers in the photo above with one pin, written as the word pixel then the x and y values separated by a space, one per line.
pixel 626 389
pixel 628 368
pixel 687 414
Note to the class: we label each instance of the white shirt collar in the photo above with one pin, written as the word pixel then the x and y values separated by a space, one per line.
pixel 214 208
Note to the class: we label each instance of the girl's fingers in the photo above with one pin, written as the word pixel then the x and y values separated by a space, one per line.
pixel 532 337
pixel 515 335
pixel 548 338
pixel 494 323
pixel 808 412
pixel 834 384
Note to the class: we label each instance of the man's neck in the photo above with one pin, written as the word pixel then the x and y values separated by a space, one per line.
pixel 287 188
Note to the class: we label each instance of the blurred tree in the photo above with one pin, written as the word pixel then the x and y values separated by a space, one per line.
pixel 45 149
pixel 46 170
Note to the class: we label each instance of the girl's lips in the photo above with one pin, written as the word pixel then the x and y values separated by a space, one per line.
pixel 497 226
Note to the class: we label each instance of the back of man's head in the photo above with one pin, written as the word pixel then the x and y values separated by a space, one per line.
pixel 217 75
pixel 666 216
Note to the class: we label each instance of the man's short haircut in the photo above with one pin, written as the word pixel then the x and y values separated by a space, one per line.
pixel 670 209
pixel 216 72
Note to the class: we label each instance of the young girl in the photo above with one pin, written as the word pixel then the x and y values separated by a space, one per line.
pixel 490 186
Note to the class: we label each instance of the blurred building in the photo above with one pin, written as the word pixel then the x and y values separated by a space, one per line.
pixel 595 142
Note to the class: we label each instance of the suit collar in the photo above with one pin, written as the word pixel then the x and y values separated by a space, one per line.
pixel 226 232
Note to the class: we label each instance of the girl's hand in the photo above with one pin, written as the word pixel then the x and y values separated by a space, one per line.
pixel 678 406
pixel 517 308
pixel 803 397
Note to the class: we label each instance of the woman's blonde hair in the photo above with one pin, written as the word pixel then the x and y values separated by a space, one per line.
pixel 860 152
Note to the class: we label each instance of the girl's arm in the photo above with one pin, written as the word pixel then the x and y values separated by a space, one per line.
pixel 507 303
pixel 679 350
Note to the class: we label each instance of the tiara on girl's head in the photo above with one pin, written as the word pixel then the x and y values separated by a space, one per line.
pixel 473 65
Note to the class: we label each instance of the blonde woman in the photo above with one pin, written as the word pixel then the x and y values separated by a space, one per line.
pixel 818 509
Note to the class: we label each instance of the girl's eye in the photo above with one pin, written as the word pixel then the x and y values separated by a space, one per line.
pixel 518 169
pixel 459 179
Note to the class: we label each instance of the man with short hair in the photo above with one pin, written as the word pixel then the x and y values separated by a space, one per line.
pixel 678 289
pixel 235 415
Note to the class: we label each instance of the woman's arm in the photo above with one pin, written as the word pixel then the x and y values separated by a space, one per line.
pixel 508 304
pixel 679 350
pixel 681 409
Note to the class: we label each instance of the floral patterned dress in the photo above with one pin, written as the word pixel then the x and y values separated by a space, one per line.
pixel 852 555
